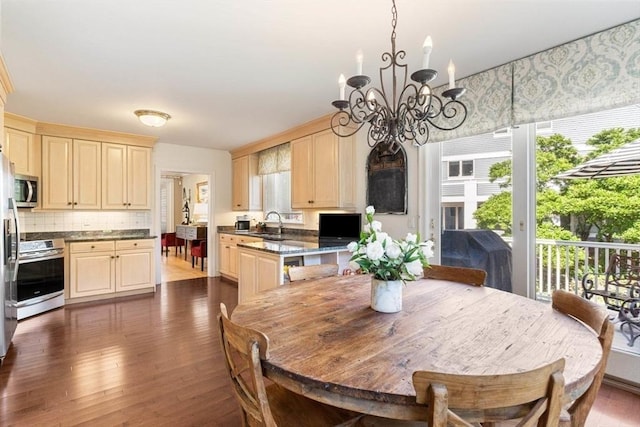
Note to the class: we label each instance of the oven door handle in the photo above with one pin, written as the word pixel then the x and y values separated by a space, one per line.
pixel 27 260
pixel 38 300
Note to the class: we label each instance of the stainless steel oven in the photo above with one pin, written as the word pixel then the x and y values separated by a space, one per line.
pixel 40 276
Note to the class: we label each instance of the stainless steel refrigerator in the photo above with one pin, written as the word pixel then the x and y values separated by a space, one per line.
pixel 8 256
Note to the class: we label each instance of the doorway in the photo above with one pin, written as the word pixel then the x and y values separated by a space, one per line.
pixel 184 200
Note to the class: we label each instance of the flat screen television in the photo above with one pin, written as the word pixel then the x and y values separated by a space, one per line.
pixel 340 226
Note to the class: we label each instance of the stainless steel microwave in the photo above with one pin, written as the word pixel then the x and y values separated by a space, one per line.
pixel 26 191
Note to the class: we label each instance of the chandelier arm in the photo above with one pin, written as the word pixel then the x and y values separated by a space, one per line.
pixel 451 110
pixel 343 125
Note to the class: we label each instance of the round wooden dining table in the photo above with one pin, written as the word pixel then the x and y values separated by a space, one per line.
pixel 328 344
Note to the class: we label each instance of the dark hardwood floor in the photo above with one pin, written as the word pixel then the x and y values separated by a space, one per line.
pixel 151 360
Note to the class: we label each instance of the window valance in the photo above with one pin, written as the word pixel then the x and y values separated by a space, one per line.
pixel 275 159
pixel 595 73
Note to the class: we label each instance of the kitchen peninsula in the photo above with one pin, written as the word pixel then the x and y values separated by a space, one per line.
pixel 262 262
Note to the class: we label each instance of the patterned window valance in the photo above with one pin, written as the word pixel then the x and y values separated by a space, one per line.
pixel 595 73
pixel 275 159
pixel 488 101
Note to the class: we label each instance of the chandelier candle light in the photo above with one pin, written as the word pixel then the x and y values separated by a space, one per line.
pixel 410 113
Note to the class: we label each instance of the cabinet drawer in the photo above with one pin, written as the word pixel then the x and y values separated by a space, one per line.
pixel 227 238
pixel 79 247
pixel 248 239
pixel 134 244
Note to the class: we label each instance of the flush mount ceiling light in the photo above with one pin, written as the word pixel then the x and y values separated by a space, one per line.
pixel 406 113
pixel 152 118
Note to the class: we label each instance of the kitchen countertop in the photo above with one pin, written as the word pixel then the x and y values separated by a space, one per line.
pixel 89 236
pixel 290 242
pixel 274 236
pixel 73 239
pixel 294 247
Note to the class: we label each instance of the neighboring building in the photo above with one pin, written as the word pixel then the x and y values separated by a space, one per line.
pixel 466 161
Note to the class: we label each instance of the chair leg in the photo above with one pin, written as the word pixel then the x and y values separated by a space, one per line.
pixel 192 261
pixel 201 264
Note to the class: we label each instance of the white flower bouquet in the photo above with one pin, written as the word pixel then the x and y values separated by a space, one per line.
pixel 388 259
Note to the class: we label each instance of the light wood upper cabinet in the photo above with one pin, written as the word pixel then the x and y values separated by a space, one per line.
pixel 247 184
pixel 322 171
pixel 86 174
pixel 126 177
pixel 24 150
pixel 70 173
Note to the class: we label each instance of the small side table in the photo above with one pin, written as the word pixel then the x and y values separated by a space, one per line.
pixel 190 232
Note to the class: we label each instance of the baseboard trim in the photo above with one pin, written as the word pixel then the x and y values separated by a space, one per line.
pixel 622 384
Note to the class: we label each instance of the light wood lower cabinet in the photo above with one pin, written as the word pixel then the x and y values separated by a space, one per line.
pixel 258 271
pixel 228 252
pixel 110 267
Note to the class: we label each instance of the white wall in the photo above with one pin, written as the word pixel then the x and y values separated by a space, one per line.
pixel 216 165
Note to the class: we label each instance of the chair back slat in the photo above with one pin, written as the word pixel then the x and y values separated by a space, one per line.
pixel 470 276
pixel 463 399
pixel 597 318
pixel 243 348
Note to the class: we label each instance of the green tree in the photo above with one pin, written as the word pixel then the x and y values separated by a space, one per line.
pixel 608 205
pixel 495 213
pixel 554 154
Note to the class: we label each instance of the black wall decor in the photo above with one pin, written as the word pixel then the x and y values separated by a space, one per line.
pixel 387 179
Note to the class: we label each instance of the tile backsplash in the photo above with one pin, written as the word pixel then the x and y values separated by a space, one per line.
pixel 31 222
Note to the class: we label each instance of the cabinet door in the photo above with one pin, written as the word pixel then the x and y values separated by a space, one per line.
pixel 246 185
pixel 302 185
pixel 134 270
pixel 114 176
pixel 57 178
pixel 267 273
pixel 23 149
pixel 86 174
pixel 325 170
pixel 240 184
pixel 138 177
pixel 233 261
pixel 91 274
pixel 223 250
pixel 246 276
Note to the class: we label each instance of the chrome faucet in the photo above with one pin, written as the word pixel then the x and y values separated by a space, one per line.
pixel 279 220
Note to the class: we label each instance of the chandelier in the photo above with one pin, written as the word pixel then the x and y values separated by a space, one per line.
pixel 410 114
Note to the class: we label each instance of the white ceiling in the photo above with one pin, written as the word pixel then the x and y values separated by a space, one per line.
pixel 232 72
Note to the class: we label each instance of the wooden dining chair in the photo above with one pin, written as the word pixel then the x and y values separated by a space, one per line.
pixel 535 397
pixel 470 276
pixel 312 271
pixel 272 405
pixel 597 318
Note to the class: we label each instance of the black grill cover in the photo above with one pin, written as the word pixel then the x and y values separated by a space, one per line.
pixel 482 249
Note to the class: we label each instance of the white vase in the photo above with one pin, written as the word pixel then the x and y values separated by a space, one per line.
pixel 386 295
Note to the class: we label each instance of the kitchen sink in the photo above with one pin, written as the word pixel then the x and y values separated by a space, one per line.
pixel 268 236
